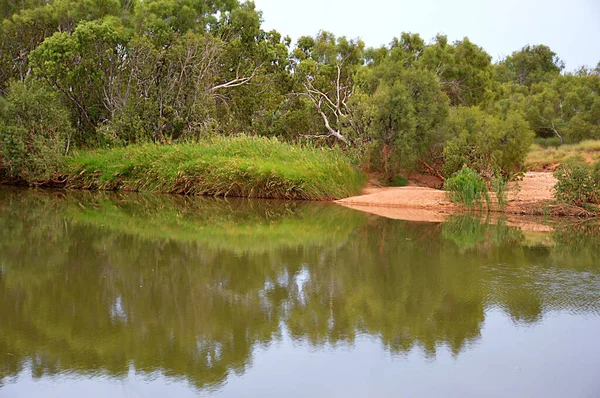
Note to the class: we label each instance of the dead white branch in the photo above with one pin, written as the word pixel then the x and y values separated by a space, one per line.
pixel 336 104
pixel 238 81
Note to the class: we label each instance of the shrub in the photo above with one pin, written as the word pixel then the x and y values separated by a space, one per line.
pixel 466 187
pixel 398 181
pixel 32 138
pixel 578 183
pixel 489 144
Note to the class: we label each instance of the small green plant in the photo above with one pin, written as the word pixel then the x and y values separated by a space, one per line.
pixel 398 181
pixel 500 187
pixel 578 184
pixel 467 187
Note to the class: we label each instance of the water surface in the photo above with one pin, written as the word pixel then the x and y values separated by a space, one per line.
pixel 153 296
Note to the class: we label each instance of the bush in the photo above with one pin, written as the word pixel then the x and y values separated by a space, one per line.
pixel 34 132
pixel 578 183
pixel 398 181
pixel 466 187
pixel 488 144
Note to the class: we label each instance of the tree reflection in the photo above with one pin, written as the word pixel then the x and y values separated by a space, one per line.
pixel 190 287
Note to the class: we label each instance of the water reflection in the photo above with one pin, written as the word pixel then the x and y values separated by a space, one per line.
pixel 96 284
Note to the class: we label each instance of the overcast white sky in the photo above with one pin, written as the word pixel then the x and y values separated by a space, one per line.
pixel 570 27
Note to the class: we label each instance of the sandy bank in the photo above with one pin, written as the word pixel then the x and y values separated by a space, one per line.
pixel 530 196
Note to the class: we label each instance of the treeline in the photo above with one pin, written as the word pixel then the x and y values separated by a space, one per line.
pixel 106 73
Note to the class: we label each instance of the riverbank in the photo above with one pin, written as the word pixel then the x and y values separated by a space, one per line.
pixel 237 166
pixel 533 195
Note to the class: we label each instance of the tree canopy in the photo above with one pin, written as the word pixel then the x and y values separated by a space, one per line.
pixel 129 71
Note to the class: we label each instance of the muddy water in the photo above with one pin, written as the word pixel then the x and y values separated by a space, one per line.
pixel 154 296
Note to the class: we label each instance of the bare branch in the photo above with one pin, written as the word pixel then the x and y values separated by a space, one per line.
pixel 238 81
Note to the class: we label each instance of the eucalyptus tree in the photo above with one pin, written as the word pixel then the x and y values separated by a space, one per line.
pixel 325 67
pixel 82 66
pixel 530 65
pixel 404 108
pixel 568 108
pixel 463 68
pixel 175 68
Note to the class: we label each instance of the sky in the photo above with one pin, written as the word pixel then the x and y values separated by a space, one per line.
pixel 571 28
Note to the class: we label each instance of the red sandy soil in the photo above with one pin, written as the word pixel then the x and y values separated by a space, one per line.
pixel 416 203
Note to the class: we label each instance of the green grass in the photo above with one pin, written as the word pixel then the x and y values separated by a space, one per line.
pixel 237 167
pixel 540 158
pixel 466 187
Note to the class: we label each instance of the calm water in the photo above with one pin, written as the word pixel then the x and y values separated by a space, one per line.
pixel 157 296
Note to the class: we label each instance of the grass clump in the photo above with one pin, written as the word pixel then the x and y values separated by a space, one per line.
pixel 238 167
pixel 500 187
pixel 466 187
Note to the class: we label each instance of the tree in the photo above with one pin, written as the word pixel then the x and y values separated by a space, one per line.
pixel 325 66
pixel 464 69
pixel 490 144
pixel 26 29
pixel 406 108
pixel 83 67
pixel 530 65
pixel 568 108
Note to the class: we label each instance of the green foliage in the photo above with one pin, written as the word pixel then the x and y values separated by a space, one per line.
pixel 552 142
pixel 132 72
pixel 490 144
pixel 578 183
pixel 500 187
pixel 530 65
pixel 240 166
pixel 466 187
pixel 463 68
pixel 34 132
pixel 567 108
pixel 36 20
pixel 398 181
pixel 82 67
pixel 405 110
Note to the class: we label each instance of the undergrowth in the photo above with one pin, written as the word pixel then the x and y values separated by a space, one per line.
pixel 578 184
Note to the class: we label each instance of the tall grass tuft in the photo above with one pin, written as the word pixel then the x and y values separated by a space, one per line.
pixel 238 167
pixel 467 187
pixel 500 187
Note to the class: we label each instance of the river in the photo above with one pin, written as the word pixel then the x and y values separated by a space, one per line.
pixel 160 296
